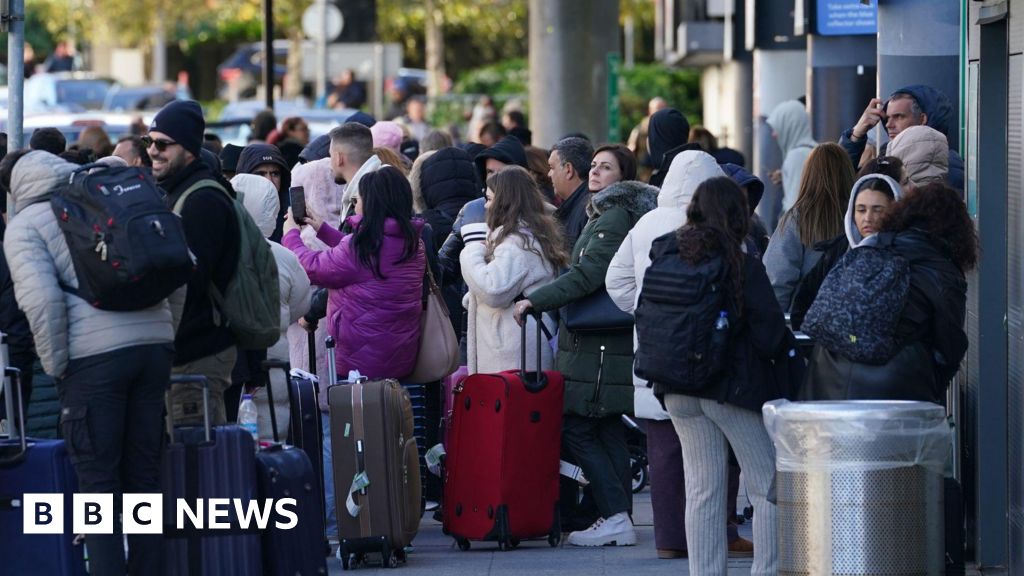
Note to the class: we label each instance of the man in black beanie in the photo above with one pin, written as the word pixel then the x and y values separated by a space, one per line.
pixel 203 345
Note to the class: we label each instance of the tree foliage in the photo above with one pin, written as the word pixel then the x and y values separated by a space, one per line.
pixel 475 32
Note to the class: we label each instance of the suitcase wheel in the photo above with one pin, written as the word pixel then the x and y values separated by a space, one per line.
pixel 513 543
pixel 554 540
pixel 392 560
pixel 463 544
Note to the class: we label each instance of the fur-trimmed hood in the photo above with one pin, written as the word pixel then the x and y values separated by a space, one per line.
pixel 631 195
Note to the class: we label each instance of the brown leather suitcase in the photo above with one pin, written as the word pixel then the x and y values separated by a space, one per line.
pixel 376 468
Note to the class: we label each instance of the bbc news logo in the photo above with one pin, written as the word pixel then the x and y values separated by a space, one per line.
pixel 144 514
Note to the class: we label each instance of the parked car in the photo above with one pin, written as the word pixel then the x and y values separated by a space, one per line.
pixel 133 98
pixel 68 91
pixel 242 72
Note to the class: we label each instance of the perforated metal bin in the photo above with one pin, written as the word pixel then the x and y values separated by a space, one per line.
pixel 859 487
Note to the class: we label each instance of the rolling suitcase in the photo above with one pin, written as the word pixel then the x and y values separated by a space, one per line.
pixel 376 468
pixel 501 470
pixel 304 431
pixel 209 462
pixel 286 472
pixel 28 465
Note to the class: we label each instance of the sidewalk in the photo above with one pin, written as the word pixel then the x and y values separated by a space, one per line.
pixel 436 555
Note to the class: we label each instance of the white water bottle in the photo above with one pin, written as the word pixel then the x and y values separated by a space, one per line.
pixel 248 418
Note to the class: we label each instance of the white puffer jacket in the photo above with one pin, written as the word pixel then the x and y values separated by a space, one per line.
pixel 64 326
pixel 625 277
pixel 260 199
pixel 493 338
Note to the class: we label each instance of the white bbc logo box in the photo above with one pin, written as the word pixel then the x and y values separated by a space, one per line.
pixel 144 513
pixel 92 514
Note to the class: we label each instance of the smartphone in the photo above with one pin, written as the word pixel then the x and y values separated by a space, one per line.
pixel 297 198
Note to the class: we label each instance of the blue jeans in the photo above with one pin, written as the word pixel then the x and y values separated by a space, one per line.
pixel 332 518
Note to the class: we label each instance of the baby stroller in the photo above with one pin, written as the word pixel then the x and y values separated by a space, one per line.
pixel 636 439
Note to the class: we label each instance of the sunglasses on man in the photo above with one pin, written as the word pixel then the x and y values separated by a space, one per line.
pixel 160 143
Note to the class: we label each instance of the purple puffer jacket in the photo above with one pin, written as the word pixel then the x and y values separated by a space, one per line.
pixel 376 322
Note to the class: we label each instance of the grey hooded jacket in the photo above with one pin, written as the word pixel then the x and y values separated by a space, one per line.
pixel 65 326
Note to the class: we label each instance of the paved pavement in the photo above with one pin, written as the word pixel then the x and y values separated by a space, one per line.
pixel 436 555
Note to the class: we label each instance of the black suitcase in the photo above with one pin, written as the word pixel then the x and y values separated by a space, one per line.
pixel 286 472
pixel 209 462
pixel 32 465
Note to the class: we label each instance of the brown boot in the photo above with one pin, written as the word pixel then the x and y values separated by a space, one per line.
pixel 741 548
pixel 670 554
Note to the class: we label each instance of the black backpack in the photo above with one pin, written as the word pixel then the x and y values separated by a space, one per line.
pixel 858 307
pixel 127 247
pixel 679 349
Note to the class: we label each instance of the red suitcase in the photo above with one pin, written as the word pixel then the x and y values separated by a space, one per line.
pixel 501 469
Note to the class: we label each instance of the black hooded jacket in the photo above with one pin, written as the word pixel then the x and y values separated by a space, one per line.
pixel 508 150
pixel 939 110
pixel 256 155
pixel 667 134
pixel 211 229
pixel 931 329
pixel 447 181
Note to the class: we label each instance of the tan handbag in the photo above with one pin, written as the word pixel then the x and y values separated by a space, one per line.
pixel 439 345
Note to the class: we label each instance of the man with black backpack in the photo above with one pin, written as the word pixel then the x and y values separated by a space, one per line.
pixel 204 344
pixel 104 335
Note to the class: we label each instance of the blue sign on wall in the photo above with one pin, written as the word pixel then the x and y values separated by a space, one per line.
pixel 846 17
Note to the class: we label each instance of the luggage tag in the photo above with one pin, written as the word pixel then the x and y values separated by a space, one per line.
pixel 433 458
pixel 572 472
pixel 300 373
pixel 359 482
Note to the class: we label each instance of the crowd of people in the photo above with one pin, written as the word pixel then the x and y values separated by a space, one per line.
pixel 668 299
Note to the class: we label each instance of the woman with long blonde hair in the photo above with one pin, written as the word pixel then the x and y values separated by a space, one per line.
pixel 816 216
pixel 518 249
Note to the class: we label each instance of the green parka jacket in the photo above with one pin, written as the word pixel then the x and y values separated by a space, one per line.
pixel 613 212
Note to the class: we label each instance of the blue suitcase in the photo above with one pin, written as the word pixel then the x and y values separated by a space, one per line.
pixel 34 466
pixel 209 462
pixel 287 472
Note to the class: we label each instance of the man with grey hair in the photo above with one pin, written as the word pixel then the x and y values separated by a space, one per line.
pixel 917 105
pixel 351 154
pixel 568 167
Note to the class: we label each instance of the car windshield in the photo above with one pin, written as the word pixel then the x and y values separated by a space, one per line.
pixel 86 93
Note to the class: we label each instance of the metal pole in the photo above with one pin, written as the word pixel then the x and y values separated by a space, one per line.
pixel 159 48
pixel 16 76
pixel 378 80
pixel 321 54
pixel 268 52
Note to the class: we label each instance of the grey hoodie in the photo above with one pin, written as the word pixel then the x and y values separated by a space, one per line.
pixel 852 234
pixel 65 326
pixel 792 126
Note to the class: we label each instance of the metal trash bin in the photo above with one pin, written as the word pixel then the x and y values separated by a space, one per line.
pixel 859 486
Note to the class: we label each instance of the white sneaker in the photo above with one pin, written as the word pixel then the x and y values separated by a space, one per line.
pixel 615 531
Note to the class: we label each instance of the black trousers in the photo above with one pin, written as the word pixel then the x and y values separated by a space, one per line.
pixel 112 408
pixel 599 447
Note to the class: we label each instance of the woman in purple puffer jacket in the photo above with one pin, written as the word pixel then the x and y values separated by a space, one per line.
pixel 374 277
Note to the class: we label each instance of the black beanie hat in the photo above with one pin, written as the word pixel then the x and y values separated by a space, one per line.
pixel 182 120
pixel 667 129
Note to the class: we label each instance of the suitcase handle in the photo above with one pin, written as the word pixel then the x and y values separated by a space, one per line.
pixel 15 413
pixel 195 379
pixel 332 369
pixel 540 381
pixel 268 365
